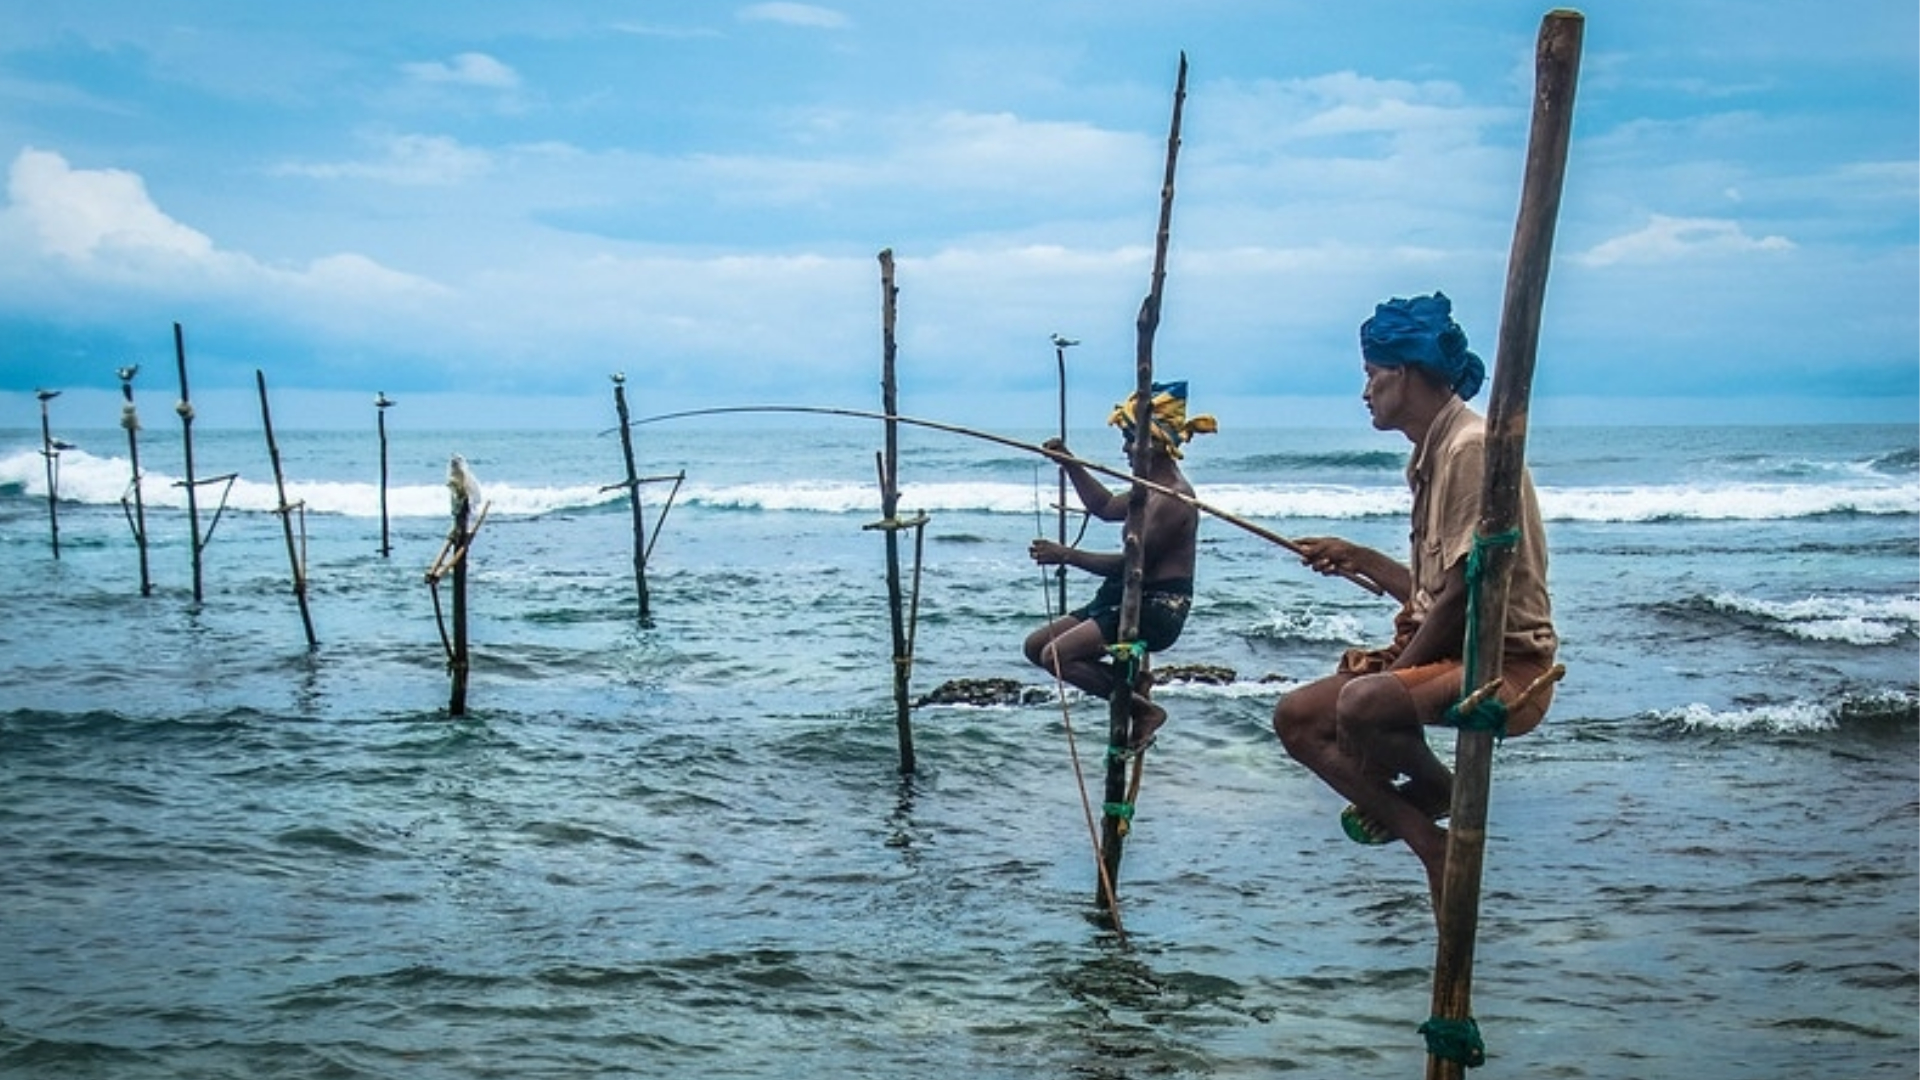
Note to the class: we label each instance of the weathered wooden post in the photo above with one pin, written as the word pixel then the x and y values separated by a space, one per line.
pixel 52 456
pixel 137 514
pixel 462 664
pixel 464 490
pixel 888 463
pixel 185 410
pixel 192 483
pixel 1453 1041
pixel 633 499
pixel 296 556
pixel 1060 347
pixel 381 403
pixel 1117 813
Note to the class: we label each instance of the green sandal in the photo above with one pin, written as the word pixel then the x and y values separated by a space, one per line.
pixel 1362 830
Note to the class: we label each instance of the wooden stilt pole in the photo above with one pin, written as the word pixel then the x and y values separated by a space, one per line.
pixel 466 493
pixel 130 419
pixel 889 467
pixel 381 403
pixel 52 456
pixel 185 409
pixel 295 555
pixel 633 498
pixel 1117 813
pixel 457 703
pixel 1557 67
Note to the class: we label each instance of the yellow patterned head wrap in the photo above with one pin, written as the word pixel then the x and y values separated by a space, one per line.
pixel 1170 424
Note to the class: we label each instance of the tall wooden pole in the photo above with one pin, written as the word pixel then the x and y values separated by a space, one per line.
pixel 1557 68
pixel 381 403
pixel 459 663
pixel 633 499
pixel 130 419
pixel 889 510
pixel 52 457
pixel 1117 812
pixel 285 511
pixel 185 409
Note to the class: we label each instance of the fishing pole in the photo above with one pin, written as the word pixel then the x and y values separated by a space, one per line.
pixel 955 429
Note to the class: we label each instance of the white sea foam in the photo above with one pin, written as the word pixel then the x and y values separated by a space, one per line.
pixel 1795 716
pixel 1305 624
pixel 1729 502
pixel 86 479
pixel 1853 620
pixel 89 479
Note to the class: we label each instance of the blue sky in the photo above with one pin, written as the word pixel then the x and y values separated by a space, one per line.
pixel 489 207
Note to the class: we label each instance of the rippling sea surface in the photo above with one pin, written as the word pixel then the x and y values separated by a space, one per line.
pixel 686 848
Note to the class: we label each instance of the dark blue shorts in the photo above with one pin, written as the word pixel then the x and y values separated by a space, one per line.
pixel 1163 610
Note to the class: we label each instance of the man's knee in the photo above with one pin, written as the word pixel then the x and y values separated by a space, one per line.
pixel 1373 702
pixel 1302 717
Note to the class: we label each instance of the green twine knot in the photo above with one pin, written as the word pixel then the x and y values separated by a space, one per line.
pixel 1455 1040
pixel 1121 810
pixel 1489 715
pixel 1129 655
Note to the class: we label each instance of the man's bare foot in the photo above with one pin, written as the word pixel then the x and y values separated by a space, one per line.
pixel 1147 719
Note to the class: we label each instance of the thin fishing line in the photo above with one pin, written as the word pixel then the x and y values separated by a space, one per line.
pixel 1066 721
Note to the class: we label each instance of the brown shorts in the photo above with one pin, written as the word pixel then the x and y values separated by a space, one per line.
pixel 1436 687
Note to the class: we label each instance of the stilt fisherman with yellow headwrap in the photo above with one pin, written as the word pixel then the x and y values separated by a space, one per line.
pixel 1075 645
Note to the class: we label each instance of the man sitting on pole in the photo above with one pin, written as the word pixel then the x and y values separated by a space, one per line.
pixel 1074 646
pixel 1362 729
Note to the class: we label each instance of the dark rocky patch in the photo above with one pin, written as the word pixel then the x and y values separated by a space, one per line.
pixel 984 692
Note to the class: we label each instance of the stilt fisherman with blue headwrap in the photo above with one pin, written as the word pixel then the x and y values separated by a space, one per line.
pixel 1074 646
pixel 1362 729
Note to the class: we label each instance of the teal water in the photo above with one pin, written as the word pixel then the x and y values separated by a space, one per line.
pixel 686 848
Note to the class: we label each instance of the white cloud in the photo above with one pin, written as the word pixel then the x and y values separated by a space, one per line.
pixel 412 160
pixel 80 215
pixel 100 227
pixel 1671 239
pixel 466 69
pixel 808 15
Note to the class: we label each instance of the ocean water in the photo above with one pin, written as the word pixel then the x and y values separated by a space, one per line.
pixel 686 848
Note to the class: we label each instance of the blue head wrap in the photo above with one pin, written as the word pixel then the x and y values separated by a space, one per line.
pixel 1422 331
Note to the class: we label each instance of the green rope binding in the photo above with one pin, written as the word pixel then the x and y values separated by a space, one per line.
pixel 1121 810
pixel 1491 714
pixel 1128 655
pixel 1455 1040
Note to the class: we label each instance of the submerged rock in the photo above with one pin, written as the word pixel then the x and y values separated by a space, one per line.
pixel 1210 674
pixel 984 692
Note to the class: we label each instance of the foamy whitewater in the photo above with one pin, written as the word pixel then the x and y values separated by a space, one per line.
pixel 685 848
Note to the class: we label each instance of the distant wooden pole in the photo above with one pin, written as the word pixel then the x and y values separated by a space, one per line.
pixel 1557 68
pixel 130 419
pixel 633 499
pixel 1117 813
pixel 294 554
pixel 185 410
pixel 52 457
pixel 889 467
pixel 381 403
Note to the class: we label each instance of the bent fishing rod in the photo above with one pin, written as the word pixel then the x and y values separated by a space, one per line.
pixel 954 429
